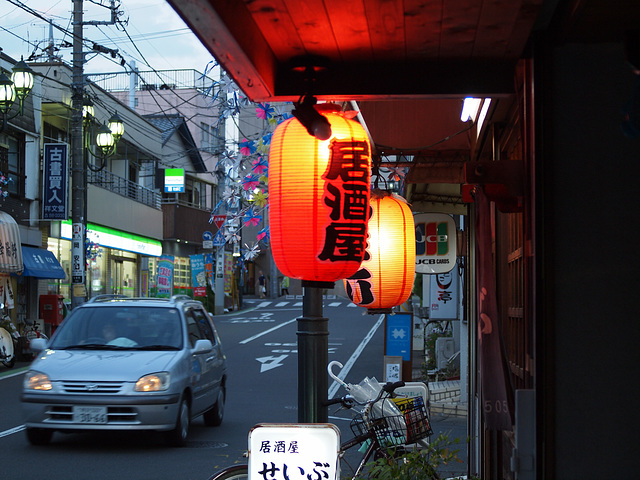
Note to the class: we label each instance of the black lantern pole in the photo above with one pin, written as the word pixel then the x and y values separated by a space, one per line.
pixel 313 355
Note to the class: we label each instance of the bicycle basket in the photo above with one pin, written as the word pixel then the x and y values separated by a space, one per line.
pixel 409 427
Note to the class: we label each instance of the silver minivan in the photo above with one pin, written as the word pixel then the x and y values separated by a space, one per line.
pixel 119 363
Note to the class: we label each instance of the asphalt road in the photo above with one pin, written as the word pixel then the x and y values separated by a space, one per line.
pixel 260 343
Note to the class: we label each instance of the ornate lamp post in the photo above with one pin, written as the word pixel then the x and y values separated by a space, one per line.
pixel 106 139
pixel 18 86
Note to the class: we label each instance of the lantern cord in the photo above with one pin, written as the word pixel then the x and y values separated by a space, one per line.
pixel 316 124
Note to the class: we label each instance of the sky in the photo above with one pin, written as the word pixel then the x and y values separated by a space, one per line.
pixel 159 39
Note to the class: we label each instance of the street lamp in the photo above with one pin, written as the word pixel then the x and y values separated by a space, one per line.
pixel 18 86
pixel 105 138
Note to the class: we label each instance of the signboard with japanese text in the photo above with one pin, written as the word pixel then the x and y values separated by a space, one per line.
pixel 198 276
pixel 294 452
pixel 444 296
pixel 55 181
pixel 436 243
pixel 208 268
pixel 165 275
pixel 219 220
pixel 174 180
pixel 77 253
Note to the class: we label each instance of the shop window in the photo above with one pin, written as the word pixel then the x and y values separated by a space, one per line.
pixel 12 166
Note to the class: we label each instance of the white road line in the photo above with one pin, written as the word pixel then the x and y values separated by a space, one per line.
pixel 18 371
pixel 247 340
pixel 345 370
pixel 281 304
pixel 334 304
pixel 11 431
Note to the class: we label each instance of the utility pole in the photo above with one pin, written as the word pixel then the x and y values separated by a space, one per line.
pixel 78 167
pixel 78 220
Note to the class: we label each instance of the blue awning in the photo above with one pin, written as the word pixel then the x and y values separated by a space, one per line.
pixel 41 263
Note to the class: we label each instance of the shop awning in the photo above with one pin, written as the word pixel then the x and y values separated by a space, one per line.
pixel 10 252
pixel 41 263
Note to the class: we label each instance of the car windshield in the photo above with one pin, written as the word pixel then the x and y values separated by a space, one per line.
pixel 115 327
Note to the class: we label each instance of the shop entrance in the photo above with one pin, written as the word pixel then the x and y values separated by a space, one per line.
pixel 124 273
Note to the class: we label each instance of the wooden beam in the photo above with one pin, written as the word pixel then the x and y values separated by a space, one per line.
pixel 230 33
pixel 391 80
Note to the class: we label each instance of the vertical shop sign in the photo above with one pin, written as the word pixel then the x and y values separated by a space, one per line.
pixel 198 276
pixel 77 253
pixel 54 185
pixel 165 275
pixel 444 295
pixel 208 268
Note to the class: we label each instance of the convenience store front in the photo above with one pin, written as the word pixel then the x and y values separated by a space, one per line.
pixel 117 262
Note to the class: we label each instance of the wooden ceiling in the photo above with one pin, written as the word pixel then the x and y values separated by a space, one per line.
pixel 408 63
pixel 371 49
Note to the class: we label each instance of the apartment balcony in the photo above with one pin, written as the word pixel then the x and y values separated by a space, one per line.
pixel 185 222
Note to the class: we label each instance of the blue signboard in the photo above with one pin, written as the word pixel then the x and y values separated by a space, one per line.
pixel 54 184
pixel 399 336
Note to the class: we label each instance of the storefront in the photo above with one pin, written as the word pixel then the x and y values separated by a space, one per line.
pixel 117 262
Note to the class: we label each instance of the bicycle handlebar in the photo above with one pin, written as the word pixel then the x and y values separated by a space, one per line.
pixel 349 402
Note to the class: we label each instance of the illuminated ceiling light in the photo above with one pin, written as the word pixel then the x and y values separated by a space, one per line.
pixel 470 109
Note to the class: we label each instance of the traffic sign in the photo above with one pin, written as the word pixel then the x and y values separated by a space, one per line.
pixel 218 240
pixel 219 220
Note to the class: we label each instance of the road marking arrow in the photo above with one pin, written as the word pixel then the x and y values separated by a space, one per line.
pixel 269 363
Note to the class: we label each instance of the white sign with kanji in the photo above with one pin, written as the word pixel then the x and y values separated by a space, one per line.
pixel 294 451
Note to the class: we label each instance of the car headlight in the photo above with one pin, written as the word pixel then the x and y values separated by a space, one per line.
pixel 37 381
pixel 154 382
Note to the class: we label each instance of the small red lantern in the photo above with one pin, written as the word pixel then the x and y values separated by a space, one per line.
pixel 319 198
pixel 386 276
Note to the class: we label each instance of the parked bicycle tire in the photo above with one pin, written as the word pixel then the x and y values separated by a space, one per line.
pixel 236 472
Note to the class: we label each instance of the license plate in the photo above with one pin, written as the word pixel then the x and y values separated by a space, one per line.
pixel 91 415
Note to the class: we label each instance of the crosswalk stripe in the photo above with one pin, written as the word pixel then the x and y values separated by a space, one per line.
pixel 269 303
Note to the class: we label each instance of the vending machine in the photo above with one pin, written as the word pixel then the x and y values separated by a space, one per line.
pixel 51 311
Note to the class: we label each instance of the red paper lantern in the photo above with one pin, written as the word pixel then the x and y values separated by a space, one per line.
pixel 386 276
pixel 319 198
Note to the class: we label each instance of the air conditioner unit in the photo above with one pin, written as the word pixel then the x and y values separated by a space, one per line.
pixel 445 350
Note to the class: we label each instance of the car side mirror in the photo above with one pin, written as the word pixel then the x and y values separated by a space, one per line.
pixel 202 345
pixel 38 344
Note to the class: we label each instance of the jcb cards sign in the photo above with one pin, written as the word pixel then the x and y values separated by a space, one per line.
pixel 435 243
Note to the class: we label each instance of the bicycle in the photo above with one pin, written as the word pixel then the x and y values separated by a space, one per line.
pixel 387 427
pixel 31 334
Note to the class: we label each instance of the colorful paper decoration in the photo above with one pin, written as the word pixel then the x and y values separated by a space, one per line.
pixel 385 278
pixel 319 198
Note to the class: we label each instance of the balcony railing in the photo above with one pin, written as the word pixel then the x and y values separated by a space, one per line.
pixel 124 187
pixel 155 80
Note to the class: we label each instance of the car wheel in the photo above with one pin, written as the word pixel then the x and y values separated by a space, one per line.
pixel 39 436
pixel 213 417
pixel 178 436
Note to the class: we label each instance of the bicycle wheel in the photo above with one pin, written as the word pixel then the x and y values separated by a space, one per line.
pixel 236 472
